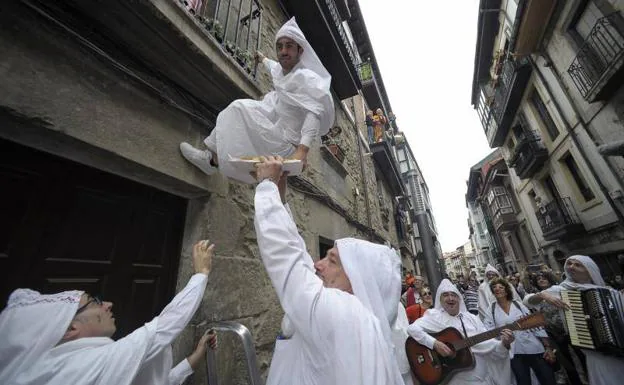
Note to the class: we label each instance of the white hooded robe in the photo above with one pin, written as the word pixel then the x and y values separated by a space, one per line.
pixel 492 359
pixel 299 110
pixel 337 338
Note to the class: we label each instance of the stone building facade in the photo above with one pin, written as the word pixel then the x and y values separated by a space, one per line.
pixel 95 100
pixel 548 94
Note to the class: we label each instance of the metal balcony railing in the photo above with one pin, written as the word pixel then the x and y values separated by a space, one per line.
pixel 596 57
pixel 529 154
pixel 235 24
pixel 485 110
pixel 335 15
pixel 557 217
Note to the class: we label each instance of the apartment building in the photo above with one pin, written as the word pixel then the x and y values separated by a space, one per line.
pixel 547 88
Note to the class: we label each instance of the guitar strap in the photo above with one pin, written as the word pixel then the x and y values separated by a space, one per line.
pixel 461 319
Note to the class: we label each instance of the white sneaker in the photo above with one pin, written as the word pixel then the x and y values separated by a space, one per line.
pixel 200 159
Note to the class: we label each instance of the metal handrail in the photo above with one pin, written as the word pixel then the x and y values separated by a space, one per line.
pixel 601 49
pixel 248 345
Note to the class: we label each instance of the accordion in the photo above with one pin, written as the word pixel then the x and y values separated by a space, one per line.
pixel 595 319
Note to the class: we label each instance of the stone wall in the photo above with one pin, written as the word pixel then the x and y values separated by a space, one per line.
pixel 90 112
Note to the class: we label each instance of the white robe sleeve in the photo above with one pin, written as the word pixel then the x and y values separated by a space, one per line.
pixel 420 335
pixel 178 373
pixel 310 129
pixel 284 255
pixel 174 317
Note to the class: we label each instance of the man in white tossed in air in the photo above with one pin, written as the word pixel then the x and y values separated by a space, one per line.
pixel 285 122
pixel 64 338
pixel 492 366
pixel 339 310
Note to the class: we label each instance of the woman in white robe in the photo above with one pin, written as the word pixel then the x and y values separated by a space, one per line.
pixel 492 365
pixel 602 369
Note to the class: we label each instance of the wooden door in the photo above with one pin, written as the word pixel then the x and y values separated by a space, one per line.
pixel 68 226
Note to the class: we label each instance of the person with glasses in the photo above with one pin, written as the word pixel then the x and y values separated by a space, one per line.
pixel 417 310
pixel 65 338
pixel 491 357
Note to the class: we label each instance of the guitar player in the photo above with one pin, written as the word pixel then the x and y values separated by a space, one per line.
pixel 492 357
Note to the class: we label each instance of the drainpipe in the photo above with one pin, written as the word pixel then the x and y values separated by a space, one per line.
pixel 571 132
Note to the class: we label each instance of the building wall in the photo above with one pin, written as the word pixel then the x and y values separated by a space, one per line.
pixel 61 98
pixel 582 126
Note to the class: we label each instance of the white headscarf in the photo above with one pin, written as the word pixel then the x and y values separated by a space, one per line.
pixel 491 268
pixel 594 273
pixel 375 274
pixel 31 325
pixel 447 286
pixel 312 94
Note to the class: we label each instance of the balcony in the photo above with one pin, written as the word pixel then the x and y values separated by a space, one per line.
pixel 499 101
pixel 529 155
pixel 532 25
pixel 322 23
pixel 558 220
pixel 597 69
pixel 370 87
pixel 505 219
pixel 382 155
pixel 164 41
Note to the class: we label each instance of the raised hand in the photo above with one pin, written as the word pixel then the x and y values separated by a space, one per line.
pixel 203 251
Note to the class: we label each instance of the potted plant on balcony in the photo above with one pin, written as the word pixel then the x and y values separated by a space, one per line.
pixel 213 26
pixel 244 58
pixel 331 142
pixel 230 47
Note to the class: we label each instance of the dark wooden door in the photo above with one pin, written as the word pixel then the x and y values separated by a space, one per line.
pixel 68 226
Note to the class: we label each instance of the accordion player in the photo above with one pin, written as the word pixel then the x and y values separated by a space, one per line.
pixel 595 319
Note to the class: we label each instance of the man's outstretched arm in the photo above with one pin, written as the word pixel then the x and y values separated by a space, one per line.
pixel 284 255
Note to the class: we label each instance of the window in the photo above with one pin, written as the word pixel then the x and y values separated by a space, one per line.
pixel 544 115
pixel 581 184
pixel 480 229
pixel 587 19
pixel 499 201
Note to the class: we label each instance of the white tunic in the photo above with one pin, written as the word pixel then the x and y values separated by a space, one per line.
pixel 491 357
pixel 335 339
pixel 291 115
pixel 526 341
pixel 142 357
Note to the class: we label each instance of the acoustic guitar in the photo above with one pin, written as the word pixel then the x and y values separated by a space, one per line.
pixel 432 369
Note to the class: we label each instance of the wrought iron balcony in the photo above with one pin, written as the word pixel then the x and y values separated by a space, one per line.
pixel 558 220
pixel 599 60
pixel 370 87
pixel 322 23
pixel 529 155
pixel 485 111
pixel 499 101
pixel 235 25
pixel 336 17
